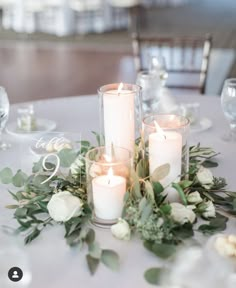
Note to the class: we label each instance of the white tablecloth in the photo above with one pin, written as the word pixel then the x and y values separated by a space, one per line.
pixel 53 263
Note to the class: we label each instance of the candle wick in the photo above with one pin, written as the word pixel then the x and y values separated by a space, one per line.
pixel 109 181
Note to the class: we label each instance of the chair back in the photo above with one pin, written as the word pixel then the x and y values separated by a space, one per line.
pixel 187 58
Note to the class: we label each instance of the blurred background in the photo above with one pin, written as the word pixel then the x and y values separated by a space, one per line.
pixel 58 48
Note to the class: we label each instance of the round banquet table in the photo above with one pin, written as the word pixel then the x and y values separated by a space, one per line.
pixel 55 265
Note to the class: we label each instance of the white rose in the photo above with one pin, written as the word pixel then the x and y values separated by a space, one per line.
pixel 209 209
pixel 75 166
pixel 121 230
pixel 205 177
pixel 226 245
pixel 182 214
pixel 63 206
pixel 194 198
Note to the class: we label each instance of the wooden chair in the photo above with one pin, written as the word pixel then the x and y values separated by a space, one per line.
pixel 187 59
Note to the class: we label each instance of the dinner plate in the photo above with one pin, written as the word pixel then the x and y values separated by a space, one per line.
pixel 202 125
pixel 43 126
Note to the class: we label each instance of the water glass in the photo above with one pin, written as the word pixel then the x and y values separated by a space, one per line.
pixel 157 64
pixel 150 83
pixel 228 103
pixel 4 113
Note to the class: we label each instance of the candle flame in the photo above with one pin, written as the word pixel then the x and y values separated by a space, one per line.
pixel 107 158
pixel 110 175
pixel 120 87
pixel 159 130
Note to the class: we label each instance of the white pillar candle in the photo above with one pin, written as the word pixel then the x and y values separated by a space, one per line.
pixel 119 118
pixel 166 148
pixel 108 196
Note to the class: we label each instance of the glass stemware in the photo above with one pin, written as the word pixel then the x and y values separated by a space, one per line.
pixel 4 113
pixel 228 103
pixel 150 83
pixel 157 64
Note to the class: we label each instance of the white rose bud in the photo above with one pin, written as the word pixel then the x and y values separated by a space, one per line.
pixel 209 209
pixel 75 166
pixel 194 198
pixel 205 177
pixel 121 230
pixel 226 245
pixel 63 206
pixel 182 214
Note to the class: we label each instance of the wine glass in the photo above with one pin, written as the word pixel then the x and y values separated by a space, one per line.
pixel 4 113
pixel 228 103
pixel 157 64
pixel 150 83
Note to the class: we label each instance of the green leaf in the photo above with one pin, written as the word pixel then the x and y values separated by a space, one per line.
pixel 157 187
pixel 183 231
pixel 215 225
pixel 111 259
pixel 142 168
pixel 90 237
pixel 37 166
pixel 6 176
pixel 99 138
pixel 12 206
pixel 149 191
pixel 67 157
pixel 34 234
pixel 19 179
pixel 92 264
pixel 94 250
pixel 136 186
pixel 153 275
pixel 165 209
pixel 209 164
pixel 185 184
pixel 146 212
pixel 20 212
pixel 162 250
pixel 160 172
pixel 181 193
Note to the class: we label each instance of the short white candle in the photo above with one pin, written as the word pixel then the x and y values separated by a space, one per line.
pixel 166 148
pixel 108 196
pixel 119 118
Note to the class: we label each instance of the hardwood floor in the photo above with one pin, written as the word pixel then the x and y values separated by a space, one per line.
pixel 33 71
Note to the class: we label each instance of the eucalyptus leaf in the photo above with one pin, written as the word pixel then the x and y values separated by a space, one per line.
pixel 19 179
pixel 149 191
pixel 135 184
pixel 34 234
pixel 94 250
pixel 146 212
pixel 153 275
pixel 92 264
pixel 111 259
pixel 160 172
pixel 162 250
pixel 6 176
pixel 20 212
pixel 67 157
pixel 90 237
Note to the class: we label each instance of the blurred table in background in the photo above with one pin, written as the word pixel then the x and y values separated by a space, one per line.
pixel 65 17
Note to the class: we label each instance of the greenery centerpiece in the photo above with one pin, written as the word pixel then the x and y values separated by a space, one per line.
pixel 42 199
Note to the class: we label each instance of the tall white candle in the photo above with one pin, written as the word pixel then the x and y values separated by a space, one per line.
pixel 108 196
pixel 164 149
pixel 119 118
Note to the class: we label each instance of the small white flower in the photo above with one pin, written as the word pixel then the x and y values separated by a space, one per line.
pixel 209 210
pixel 205 177
pixel 226 245
pixel 121 230
pixel 182 214
pixel 63 206
pixel 95 170
pixel 75 166
pixel 194 198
